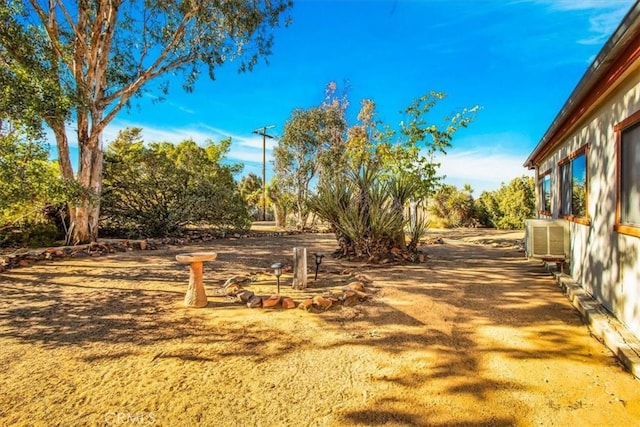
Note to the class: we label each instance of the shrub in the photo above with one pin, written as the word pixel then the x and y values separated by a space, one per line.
pixel 159 190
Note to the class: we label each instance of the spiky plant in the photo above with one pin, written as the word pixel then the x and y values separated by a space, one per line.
pixel 361 211
pixel 417 229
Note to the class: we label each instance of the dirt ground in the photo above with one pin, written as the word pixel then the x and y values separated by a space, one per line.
pixel 477 335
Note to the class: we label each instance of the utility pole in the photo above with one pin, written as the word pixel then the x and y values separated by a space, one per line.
pixel 263 131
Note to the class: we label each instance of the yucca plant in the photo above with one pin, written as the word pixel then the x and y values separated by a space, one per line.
pixel 417 229
pixel 361 211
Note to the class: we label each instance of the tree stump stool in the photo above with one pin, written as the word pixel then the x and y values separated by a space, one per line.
pixel 196 296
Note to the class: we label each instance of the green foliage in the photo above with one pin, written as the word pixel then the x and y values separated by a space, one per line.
pixel 579 199
pixel 506 208
pixel 379 171
pixel 251 190
pixel 516 202
pixel 30 234
pixel 85 61
pixel 29 185
pixel 311 146
pixel 416 229
pixel 160 189
pixel 455 207
pixel 411 151
pixel 361 211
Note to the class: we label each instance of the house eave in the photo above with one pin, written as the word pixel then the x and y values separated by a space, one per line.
pixel 603 69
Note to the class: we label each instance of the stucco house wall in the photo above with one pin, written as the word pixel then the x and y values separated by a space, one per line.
pixel 602 260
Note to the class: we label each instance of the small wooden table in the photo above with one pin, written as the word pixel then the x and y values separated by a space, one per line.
pixel 196 296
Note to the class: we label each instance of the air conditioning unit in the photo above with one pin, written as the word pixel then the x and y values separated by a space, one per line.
pixel 547 239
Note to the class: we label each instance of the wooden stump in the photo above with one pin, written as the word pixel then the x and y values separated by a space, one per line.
pixel 299 268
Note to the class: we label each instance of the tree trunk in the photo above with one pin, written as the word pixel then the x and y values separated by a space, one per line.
pixel 413 212
pixel 280 213
pixel 85 210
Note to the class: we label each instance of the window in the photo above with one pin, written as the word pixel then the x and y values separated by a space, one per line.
pixel 574 187
pixel 628 206
pixel 544 189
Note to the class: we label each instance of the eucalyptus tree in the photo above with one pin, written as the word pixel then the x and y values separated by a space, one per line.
pixel 83 61
pixel 311 147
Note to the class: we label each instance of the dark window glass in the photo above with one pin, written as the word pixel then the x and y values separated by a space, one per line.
pixel 574 186
pixel 565 189
pixel 545 193
pixel 630 176
pixel 579 186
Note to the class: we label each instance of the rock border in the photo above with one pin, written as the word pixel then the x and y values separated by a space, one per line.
pixel 28 257
pixel 351 294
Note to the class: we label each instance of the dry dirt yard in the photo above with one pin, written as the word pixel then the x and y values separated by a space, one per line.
pixel 476 335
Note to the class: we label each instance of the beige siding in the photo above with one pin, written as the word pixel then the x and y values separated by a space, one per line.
pixel 604 262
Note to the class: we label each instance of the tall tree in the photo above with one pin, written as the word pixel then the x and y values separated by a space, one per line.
pixel 310 142
pixel 250 188
pixel 83 61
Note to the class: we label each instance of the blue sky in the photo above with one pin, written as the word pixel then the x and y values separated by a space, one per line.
pixel 518 59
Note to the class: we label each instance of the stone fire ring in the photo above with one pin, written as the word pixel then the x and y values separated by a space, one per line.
pixel 196 296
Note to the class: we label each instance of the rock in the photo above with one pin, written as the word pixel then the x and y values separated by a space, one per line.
pixel 271 302
pixel 354 286
pixel 288 303
pixel 254 302
pixel 331 297
pixel 322 302
pixel 306 304
pixel 363 278
pixel 349 298
pixel 143 245
pixel 238 280
pixel 244 296
pixel 232 290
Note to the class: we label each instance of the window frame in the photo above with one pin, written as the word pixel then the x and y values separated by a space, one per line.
pixel 585 220
pixel 541 193
pixel 619 129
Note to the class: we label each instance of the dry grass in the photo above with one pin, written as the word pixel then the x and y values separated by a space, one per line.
pixel 476 336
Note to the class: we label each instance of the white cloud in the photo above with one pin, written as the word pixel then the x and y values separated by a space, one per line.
pixel 587 4
pixel 605 17
pixel 483 170
pixel 602 26
pixel 244 148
